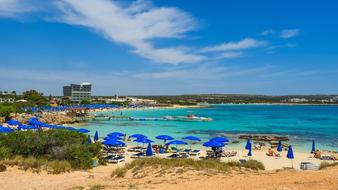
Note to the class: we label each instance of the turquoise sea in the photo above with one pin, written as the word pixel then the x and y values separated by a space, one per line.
pixel 301 123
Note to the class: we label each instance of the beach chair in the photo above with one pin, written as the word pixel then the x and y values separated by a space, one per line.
pixel 195 152
pixel 232 154
pixel 116 160
pixel 174 155
pixel 139 155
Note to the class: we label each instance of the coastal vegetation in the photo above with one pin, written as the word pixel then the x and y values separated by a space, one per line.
pixel 7 109
pixel 52 150
pixel 240 99
pixel 325 164
pixel 208 164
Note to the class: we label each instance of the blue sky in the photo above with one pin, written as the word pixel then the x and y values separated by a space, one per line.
pixel 170 47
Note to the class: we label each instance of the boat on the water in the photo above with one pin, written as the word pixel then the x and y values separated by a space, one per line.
pixel 189 117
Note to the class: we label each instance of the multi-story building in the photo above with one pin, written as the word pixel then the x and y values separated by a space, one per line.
pixel 78 92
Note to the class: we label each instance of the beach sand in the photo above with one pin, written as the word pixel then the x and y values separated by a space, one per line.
pixel 271 178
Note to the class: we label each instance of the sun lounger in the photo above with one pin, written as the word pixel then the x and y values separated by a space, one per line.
pixel 194 152
pixel 138 155
pixel 326 157
pixel 116 160
pixel 175 155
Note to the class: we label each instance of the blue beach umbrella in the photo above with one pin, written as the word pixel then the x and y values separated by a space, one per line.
pixel 113 143
pixel 280 146
pixel 149 151
pixel 96 136
pixel 27 127
pixel 143 140
pixel 176 142
pixel 247 144
pixel 313 146
pixel 213 144
pixel 192 138
pixel 290 155
pixel 89 141
pixel 13 122
pixel 116 134
pixel 220 139
pixel 83 130
pixel 5 130
pixel 112 138
pixel 250 149
pixel 164 138
pixel 138 136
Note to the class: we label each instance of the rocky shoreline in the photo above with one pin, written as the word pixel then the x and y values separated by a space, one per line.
pixel 56 118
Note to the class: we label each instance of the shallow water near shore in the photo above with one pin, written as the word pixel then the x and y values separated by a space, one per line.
pixel 301 123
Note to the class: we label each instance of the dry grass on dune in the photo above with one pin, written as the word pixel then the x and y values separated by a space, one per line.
pixel 186 164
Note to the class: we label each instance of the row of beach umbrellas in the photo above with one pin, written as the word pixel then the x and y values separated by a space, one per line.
pixel 35 124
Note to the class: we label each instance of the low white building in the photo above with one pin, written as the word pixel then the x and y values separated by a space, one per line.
pixel 298 100
pixel 7 100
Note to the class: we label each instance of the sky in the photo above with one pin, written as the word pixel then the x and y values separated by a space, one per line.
pixel 169 47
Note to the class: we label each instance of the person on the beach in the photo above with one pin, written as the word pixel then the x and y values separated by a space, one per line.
pixel 317 154
pixel 271 152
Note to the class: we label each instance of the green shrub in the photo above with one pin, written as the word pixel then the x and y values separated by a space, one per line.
pixel 5 153
pixel 45 146
pixel 2 168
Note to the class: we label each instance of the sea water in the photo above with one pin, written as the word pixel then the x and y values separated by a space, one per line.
pixel 301 123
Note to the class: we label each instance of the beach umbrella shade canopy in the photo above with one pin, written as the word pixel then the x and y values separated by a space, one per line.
pixel 247 144
pixel 176 142
pixel 116 134
pixel 5 130
pixel 83 130
pixel 249 149
pixel 89 141
pixel 70 129
pixel 213 144
pixel 113 143
pixel 149 151
pixel 138 136
pixel 280 146
pixel 13 122
pixel 191 138
pixel 220 139
pixel 112 138
pixel 164 137
pixel 142 140
pixel 27 127
pixel 96 136
pixel 313 149
pixel 290 155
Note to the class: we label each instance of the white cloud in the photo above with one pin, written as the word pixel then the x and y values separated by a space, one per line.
pixel 136 25
pixel 202 72
pixel 12 8
pixel 268 32
pixel 229 55
pixel 289 33
pixel 246 43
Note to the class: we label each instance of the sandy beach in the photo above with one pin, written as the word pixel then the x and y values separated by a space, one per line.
pixel 272 178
